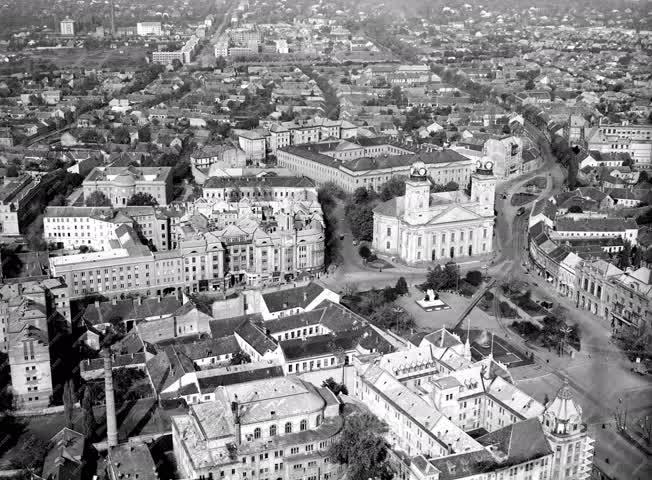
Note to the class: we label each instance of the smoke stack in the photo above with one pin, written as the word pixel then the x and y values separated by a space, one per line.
pixel 112 15
pixel 111 423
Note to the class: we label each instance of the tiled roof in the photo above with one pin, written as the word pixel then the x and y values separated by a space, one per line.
pixel 317 345
pixel 255 337
pixel 209 384
pixel 595 225
pixel 299 297
pixel 266 181
pixel 521 442
pixel 131 309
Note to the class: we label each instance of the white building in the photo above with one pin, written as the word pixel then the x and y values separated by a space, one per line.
pixel 633 139
pixel 278 427
pixel 506 154
pixel 67 26
pixel 148 28
pixel 424 227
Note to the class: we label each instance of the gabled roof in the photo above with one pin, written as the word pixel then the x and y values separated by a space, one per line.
pixel 520 442
pixel 131 310
pixel 254 337
pixel 63 460
pixel 298 297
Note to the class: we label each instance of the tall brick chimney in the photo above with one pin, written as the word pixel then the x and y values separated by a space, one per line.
pixel 111 422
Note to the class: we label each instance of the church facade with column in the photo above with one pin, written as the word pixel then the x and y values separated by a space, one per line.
pixel 424 227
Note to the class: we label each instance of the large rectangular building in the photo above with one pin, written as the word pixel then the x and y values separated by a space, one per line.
pixel 633 139
pixel 130 267
pixel 372 162
pixel 119 184
pixel 278 428
pixel 95 227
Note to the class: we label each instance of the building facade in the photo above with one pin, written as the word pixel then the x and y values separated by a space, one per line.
pixel 67 26
pixel 633 139
pixel 278 428
pixel 370 164
pixel 424 227
pixel 95 227
pixel 119 184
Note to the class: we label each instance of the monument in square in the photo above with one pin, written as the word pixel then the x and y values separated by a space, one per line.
pixel 431 302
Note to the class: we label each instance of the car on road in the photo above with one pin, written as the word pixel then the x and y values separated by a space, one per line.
pixel 520 211
pixel 341 237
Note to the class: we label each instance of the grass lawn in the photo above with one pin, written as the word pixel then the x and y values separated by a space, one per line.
pixel 519 199
pixel 537 183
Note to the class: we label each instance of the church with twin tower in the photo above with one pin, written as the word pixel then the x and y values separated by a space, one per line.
pixel 422 227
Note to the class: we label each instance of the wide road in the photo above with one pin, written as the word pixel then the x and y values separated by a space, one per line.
pixel 206 55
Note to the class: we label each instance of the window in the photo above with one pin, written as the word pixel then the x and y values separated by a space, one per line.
pixel 318 420
pixel 304 425
pixel 256 432
pixel 288 427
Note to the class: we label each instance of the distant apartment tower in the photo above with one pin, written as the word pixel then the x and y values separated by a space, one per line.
pixel 67 26
pixel 148 28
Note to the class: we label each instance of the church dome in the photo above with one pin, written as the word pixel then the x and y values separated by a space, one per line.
pixel 124 180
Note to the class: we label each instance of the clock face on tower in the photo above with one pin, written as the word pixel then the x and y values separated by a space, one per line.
pixel 422 171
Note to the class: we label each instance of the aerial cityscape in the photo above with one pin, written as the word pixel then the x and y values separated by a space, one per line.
pixel 324 240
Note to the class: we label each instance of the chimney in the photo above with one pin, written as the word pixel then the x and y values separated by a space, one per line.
pixel 111 422
pixel 305 296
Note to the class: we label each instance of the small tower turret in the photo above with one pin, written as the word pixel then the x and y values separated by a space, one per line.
pixel 562 424
pixel 417 189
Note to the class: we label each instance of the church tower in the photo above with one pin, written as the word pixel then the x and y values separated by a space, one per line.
pixel 483 186
pixel 417 189
pixel 567 435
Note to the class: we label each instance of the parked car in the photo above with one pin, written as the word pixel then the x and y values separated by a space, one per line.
pixel 520 211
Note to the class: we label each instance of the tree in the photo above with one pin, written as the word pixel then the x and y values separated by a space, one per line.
pixel 142 199
pixel 12 171
pixel 529 85
pixel 474 277
pixel 363 448
pixel 235 195
pixel 442 278
pixel 87 410
pixel 220 63
pixel 145 134
pixel 361 220
pixel 364 251
pixel 624 256
pixel 335 387
pixel 389 294
pixel 394 187
pixel 240 358
pixel 97 199
pixel 401 286
pixel 68 402
pixel 360 195
pixel 121 135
